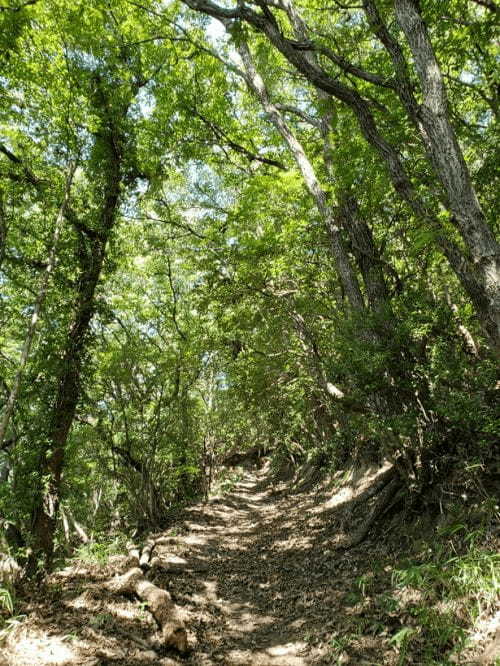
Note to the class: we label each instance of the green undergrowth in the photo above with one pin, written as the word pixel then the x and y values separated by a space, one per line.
pixel 428 601
pixel 6 599
pixel 103 546
pixel 447 596
pixel 226 480
pixel 99 551
pixel 8 608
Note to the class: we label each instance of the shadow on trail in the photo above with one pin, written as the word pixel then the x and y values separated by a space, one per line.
pixel 277 591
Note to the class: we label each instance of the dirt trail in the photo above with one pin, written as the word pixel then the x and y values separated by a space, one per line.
pixel 260 582
pixel 252 603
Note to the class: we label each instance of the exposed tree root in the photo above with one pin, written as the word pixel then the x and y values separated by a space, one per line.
pixel 309 477
pixel 285 471
pixel 381 504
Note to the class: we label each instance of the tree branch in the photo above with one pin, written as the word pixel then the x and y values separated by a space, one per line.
pixel 488 4
pixel 174 299
pixel 219 133
pixel 349 68
pixel 19 7
pixel 310 120
pixel 28 174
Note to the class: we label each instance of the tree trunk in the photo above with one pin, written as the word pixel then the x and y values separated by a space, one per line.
pixel 92 252
pixel 63 412
pixel 367 256
pixel 345 270
pixel 479 281
pixel 3 230
pixel 449 164
pixel 479 273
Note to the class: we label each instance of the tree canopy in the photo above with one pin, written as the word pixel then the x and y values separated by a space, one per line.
pixel 228 225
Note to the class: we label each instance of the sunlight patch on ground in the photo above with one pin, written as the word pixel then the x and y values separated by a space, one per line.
pixel 278 655
pixel 248 622
pixel 71 571
pixel 488 629
pixel 288 649
pixel 194 540
pixel 122 612
pixel 27 648
pixel 83 601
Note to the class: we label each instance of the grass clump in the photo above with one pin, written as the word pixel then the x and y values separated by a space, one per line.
pixel 6 600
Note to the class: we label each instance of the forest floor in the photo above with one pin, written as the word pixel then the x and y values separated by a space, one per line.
pixel 261 582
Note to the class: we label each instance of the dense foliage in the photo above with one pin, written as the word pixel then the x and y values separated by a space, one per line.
pixel 225 226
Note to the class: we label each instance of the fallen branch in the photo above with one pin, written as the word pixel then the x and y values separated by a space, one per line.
pixel 160 604
pixel 144 560
pixel 134 555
